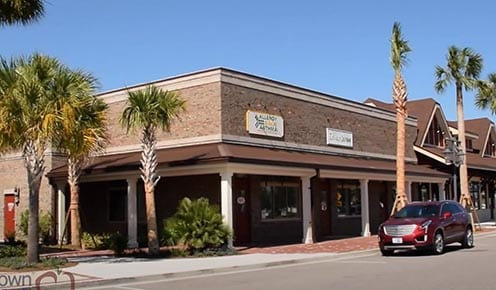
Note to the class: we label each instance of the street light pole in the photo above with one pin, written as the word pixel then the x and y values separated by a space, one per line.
pixel 454 156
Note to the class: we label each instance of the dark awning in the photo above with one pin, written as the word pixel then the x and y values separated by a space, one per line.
pixel 222 152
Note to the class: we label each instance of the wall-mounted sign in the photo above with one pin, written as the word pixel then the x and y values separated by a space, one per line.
pixel 264 124
pixel 339 138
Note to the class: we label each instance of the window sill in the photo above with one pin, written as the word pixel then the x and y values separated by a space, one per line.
pixel 349 216
pixel 280 220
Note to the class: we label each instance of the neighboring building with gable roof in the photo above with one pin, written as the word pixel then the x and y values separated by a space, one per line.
pixel 431 145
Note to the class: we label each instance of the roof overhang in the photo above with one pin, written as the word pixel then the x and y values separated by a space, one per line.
pixel 216 153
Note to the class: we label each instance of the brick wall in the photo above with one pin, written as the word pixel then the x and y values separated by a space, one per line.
pixel 201 118
pixel 306 123
pixel 14 174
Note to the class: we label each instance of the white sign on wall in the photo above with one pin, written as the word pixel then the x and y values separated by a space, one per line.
pixel 264 124
pixel 339 138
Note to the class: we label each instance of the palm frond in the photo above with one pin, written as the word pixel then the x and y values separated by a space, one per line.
pixel 463 67
pixel 399 48
pixel 486 94
pixel 20 11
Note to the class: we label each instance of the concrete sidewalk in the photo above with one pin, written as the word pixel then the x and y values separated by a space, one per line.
pixel 108 270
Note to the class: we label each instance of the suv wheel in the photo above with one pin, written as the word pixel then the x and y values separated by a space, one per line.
pixel 468 238
pixel 438 244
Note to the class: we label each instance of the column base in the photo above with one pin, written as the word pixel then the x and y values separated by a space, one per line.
pixel 132 245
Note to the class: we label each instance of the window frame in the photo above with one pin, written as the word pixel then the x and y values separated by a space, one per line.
pixel 347 197
pixel 280 184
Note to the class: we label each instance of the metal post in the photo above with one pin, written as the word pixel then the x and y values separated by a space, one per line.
pixel 455 157
pixel 455 191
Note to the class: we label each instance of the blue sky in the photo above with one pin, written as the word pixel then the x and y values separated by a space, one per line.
pixel 336 47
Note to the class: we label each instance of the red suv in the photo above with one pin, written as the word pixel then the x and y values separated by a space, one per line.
pixel 426 225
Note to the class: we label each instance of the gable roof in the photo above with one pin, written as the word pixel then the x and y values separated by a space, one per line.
pixel 483 127
pixel 423 110
pixel 468 133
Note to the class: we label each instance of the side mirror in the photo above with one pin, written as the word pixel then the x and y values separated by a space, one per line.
pixel 447 214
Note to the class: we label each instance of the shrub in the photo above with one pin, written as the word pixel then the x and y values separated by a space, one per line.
pixel 115 242
pixel 118 243
pixel 45 224
pixel 196 225
pixel 13 251
pixel 90 241
pixel 14 262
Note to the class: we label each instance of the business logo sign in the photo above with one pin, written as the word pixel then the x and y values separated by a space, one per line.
pixel 264 124
pixel 37 280
pixel 339 138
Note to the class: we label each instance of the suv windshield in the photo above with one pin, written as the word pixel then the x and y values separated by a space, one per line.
pixel 415 211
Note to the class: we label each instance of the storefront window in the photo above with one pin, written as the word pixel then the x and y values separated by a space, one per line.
pixel 474 192
pixel 279 200
pixel 348 200
pixel 483 199
pixel 424 192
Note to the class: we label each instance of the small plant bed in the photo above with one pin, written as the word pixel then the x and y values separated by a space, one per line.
pixel 13 259
pixel 178 252
pixel 196 229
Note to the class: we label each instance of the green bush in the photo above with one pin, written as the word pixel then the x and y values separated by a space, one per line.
pixel 12 251
pixel 45 224
pixel 93 241
pixel 115 242
pixel 118 243
pixel 14 262
pixel 196 225
pixel 18 262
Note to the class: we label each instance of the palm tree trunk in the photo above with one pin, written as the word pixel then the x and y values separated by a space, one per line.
pixel 33 228
pixel 150 179
pixel 74 205
pixel 33 158
pixel 400 161
pixel 465 195
pixel 400 98
pixel 151 219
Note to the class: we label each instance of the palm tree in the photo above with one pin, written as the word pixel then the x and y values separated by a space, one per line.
pixel 26 90
pixel 463 69
pixel 81 127
pixel 20 11
pixel 149 109
pixel 486 94
pixel 399 50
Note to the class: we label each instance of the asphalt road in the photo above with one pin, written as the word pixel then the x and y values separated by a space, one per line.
pixel 457 269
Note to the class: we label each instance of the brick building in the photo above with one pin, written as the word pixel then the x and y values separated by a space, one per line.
pixel 284 164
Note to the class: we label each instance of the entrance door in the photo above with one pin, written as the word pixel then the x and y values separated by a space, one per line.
pixel 324 209
pixel 9 215
pixel 241 200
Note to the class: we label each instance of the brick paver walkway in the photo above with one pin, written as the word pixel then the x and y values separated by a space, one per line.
pixel 333 246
